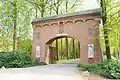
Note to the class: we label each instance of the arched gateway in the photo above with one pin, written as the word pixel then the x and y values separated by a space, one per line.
pixel 83 26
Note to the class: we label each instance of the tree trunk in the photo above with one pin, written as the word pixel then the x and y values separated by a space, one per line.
pixel 66 5
pixel 104 20
pixel 66 39
pixel 36 11
pixel 73 49
pixel 42 13
pixel 14 25
pixel 57 49
pixel 61 50
pixel 78 49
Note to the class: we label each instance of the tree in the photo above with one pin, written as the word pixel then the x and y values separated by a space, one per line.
pixel 110 19
pixel 104 21
pixel 41 5
pixel 14 23
pixel 14 18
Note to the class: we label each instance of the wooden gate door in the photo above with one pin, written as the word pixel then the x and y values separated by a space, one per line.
pixel 53 55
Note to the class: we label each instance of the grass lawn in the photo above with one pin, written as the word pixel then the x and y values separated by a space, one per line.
pixel 65 60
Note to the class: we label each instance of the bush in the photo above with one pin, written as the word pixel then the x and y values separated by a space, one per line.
pixel 109 68
pixel 39 63
pixel 17 60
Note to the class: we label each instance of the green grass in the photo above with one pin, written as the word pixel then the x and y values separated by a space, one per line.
pixel 65 60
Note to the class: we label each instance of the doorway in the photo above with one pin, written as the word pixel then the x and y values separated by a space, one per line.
pixel 62 49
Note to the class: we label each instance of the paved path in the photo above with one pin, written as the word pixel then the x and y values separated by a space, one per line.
pixel 66 71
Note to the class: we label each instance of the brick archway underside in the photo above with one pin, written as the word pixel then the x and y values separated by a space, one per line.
pixel 83 27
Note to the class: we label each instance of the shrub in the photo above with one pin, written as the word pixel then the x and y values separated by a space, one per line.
pixel 17 60
pixel 109 68
pixel 39 63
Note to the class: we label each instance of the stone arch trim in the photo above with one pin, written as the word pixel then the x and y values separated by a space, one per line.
pixel 61 36
pixel 69 22
pixel 93 19
pixel 89 19
pixel 53 24
pixel 44 25
pixel 79 20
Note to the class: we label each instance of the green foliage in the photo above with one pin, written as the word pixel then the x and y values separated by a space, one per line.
pixel 111 11
pixel 109 68
pixel 24 11
pixel 62 48
pixel 38 63
pixel 14 12
pixel 24 45
pixel 17 60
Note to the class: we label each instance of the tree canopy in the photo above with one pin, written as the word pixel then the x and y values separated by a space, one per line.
pixel 16 17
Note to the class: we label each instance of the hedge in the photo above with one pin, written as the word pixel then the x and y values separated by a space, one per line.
pixel 17 60
pixel 109 68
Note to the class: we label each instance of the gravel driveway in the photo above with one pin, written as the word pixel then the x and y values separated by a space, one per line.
pixel 66 71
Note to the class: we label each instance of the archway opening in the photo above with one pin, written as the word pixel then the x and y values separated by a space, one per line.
pixel 62 49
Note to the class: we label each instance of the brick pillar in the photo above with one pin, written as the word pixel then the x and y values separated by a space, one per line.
pixel 83 52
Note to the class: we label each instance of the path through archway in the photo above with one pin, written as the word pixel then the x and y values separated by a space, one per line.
pixel 62 48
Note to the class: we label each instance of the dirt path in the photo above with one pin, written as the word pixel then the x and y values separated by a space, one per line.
pixel 66 71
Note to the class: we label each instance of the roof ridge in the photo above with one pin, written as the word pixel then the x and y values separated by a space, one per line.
pixel 79 13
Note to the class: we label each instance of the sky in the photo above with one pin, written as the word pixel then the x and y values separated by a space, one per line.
pixel 90 4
